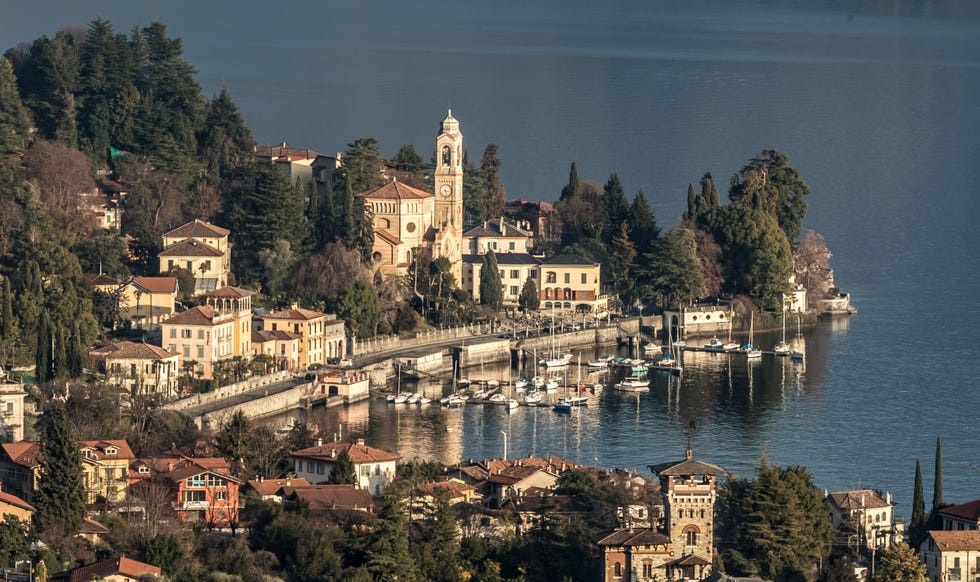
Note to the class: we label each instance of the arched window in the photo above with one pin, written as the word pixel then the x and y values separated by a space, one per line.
pixel 617 570
pixel 691 535
pixel 447 155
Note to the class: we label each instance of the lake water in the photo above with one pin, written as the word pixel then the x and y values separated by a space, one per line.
pixel 876 106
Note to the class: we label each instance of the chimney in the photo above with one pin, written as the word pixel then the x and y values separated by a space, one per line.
pixel 360 442
pixel 689 455
pixel 333 453
pixel 888 497
pixel 289 482
pixel 319 442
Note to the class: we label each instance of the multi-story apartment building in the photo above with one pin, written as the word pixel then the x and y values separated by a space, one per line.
pixel 867 514
pixel 11 409
pixel 321 335
pixel 202 337
pixel 200 490
pixel 571 283
pixel 375 468
pixel 146 301
pixel 499 236
pixel 951 556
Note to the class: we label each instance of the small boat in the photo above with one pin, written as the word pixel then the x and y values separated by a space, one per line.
pixel 714 344
pixel 454 402
pixel 551 386
pixel 750 351
pixel 498 398
pixel 557 361
pixel 782 348
pixel 633 385
pixel 797 356
pixel 493 383
pixel 511 404
pixel 680 344
pixel 424 400
pixel 597 388
pixel 463 382
pixel 729 346
pixel 532 398
pixel 520 384
pixel 599 365
pixel 638 369
pixel 652 348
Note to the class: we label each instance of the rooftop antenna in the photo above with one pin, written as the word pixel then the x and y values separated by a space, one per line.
pixel 690 432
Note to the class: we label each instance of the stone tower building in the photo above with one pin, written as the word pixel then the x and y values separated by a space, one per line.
pixel 689 489
pixel 449 174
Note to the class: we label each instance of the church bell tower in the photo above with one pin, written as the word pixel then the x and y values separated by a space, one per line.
pixel 449 174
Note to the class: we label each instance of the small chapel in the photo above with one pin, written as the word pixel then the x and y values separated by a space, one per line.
pixel 407 218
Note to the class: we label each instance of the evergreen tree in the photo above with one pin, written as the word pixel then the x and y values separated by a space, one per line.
pixel 44 353
pixel 15 121
pixel 900 563
pixel 440 559
pixel 408 160
pixel 362 163
pixel 529 299
pixel 386 548
pixel 73 363
pixel 59 360
pixel 490 174
pixel 918 522
pixel 234 443
pixel 7 324
pixel 474 195
pixel 573 185
pixel 59 497
pixel 642 224
pixel 672 272
pixel 491 288
pixel 692 204
pixel 776 187
pixel 343 471
pixel 937 491
pixel 615 207
pixel 622 254
pixel 360 309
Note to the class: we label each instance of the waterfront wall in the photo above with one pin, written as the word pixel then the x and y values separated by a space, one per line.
pixel 228 391
pixel 258 408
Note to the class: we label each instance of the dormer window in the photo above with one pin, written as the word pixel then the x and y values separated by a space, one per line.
pixel 110 450
pixel 144 470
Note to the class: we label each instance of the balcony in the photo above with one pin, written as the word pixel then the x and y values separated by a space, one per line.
pixel 195 505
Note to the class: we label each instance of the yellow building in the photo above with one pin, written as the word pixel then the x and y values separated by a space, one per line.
pixel 571 283
pixel 202 337
pixel 515 269
pixel 146 301
pixel 237 303
pixel 203 249
pixel 139 368
pixel 321 334
pixel 283 346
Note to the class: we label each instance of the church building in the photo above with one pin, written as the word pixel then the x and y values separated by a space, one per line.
pixel 407 218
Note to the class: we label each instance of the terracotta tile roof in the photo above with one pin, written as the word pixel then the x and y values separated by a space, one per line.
pixel 689 560
pixel 858 499
pixel 8 499
pixel 957 541
pixel 113 187
pixel 99 448
pixel 969 511
pixel 395 190
pixel 190 247
pixel 156 284
pixel 294 312
pixel 230 292
pixel 633 537
pixel 268 335
pixel 323 497
pixel 200 315
pixel 505 258
pixel 100 280
pixel 131 350
pixel 197 229
pixel 180 468
pixel 274 486
pixel 90 526
pixel 121 565
pixel 387 237
pixel 482 470
pixel 24 453
pixel 358 453
pixel 492 228
pixel 456 487
pixel 280 152
pixel 512 474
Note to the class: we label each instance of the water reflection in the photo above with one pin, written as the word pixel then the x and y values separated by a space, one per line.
pixel 734 403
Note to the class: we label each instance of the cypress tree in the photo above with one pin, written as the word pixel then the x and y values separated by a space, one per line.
pixel 343 471
pixel 7 310
pixel 74 349
pixel 491 289
pixel 59 358
pixel 59 497
pixel 937 490
pixel 529 300
pixel 917 525
pixel 692 204
pixel 573 183
pixel 490 173
pixel 43 353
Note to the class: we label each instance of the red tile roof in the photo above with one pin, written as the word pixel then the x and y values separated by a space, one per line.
pixel 156 284
pixel 969 511
pixel 858 499
pixel 269 335
pixel 323 497
pixel 284 151
pixel 190 247
pixel 957 541
pixel 121 565
pixel 358 453
pixel 28 453
pixel 294 313
pixel 100 280
pixel 7 498
pixel 395 190
pixel 633 537
pixel 274 486
pixel 388 237
pixel 200 315
pixel 24 453
pixel 197 229
pixel 180 468
pixel 131 350
pixel 230 292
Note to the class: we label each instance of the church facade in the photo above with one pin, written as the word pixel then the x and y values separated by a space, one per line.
pixel 407 218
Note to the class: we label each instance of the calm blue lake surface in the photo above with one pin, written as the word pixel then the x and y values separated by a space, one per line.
pixel 876 106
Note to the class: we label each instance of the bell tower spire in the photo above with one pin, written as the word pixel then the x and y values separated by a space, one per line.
pixel 449 174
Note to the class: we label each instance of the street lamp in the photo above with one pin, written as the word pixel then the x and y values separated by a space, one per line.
pixel 505 444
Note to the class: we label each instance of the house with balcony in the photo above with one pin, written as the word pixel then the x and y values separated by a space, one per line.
pixel 202 337
pixel 322 335
pixel 571 283
pixel 147 301
pixel 139 368
pixel 281 345
pixel 105 469
pixel 951 556
pixel 374 467
pixel 499 236
pixel 961 517
pixel 867 514
pixel 236 303
pixel 200 490
pixel 201 248
pixel 515 269
pixel 12 396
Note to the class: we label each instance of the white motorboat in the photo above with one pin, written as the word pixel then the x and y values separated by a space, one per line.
pixel 633 385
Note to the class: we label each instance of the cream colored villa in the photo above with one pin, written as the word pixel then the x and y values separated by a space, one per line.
pixel 203 249
pixel 321 334
pixel 139 368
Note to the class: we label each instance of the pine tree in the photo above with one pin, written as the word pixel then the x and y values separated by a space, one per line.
pixel 386 548
pixel 440 557
pixel 529 300
pixel 14 119
pixel 59 497
pixel 491 288
pixel 490 173
pixel 343 471
pixel 642 224
pixel 937 491
pixel 900 563
pixel 615 206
